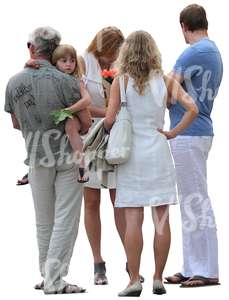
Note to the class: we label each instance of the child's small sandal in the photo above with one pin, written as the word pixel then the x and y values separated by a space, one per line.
pixel 82 178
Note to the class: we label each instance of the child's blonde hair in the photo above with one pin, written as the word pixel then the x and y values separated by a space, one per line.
pixel 61 52
pixel 140 58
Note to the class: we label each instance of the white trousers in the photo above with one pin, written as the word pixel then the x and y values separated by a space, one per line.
pixel 57 200
pixel 200 245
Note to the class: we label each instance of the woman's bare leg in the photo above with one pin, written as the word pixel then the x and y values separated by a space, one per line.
pixel 134 241
pixel 119 216
pixel 162 238
pixel 92 221
pixel 93 229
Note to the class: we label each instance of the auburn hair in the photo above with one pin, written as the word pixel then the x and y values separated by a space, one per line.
pixel 106 42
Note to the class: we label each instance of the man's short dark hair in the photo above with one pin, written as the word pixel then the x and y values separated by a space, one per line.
pixel 194 17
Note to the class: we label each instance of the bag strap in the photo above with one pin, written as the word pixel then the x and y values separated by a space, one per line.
pixel 122 90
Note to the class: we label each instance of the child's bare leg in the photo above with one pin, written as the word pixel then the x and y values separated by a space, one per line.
pixel 72 129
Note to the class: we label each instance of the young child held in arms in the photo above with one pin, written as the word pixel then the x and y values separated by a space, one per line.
pixel 65 59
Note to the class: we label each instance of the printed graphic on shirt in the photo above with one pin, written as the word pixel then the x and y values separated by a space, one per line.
pixel 24 91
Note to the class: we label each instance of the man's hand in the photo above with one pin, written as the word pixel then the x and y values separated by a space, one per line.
pixel 15 122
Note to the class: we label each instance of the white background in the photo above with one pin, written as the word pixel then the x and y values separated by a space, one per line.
pixel 78 21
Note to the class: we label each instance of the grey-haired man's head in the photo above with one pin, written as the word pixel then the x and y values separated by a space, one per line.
pixel 43 41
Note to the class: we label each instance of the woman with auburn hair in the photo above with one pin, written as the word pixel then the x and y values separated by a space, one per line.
pixel 100 55
pixel 148 177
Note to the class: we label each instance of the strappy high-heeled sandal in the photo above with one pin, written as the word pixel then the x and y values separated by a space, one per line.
pixel 158 287
pixel 100 277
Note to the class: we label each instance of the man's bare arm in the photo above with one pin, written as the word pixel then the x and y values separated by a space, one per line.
pixel 15 122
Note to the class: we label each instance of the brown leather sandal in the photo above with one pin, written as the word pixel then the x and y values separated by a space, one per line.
pixel 176 279
pixel 199 281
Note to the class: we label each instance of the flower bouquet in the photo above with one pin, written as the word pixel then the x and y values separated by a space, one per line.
pixel 107 79
pixel 109 75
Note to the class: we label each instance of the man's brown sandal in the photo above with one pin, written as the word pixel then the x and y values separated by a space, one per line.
pixel 199 281
pixel 175 279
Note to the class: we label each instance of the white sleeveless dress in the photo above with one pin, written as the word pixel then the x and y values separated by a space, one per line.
pixel 93 82
pixel 148 178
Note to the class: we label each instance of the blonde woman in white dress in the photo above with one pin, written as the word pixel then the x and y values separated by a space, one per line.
pixel 100 55
pixel 148 178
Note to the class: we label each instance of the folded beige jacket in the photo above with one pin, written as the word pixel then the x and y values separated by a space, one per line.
pixel 95 145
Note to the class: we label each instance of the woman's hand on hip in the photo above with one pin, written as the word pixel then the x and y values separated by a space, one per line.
pixel 168 134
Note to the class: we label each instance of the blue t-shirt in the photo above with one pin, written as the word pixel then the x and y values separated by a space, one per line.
pixel 202 69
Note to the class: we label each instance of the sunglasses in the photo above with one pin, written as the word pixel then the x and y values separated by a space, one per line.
pixel 28 45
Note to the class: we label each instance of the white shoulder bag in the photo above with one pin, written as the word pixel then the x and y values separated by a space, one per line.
pixel 120 138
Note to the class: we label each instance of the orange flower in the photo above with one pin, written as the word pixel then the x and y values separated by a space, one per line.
pixel 105 73
pixel 113 72
pixel 109 73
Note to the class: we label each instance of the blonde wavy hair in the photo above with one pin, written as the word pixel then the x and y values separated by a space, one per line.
pixel 64 50
pixel 140 58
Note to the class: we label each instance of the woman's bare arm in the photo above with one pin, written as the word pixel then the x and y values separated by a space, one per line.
pixel 96 112
pixel 114 104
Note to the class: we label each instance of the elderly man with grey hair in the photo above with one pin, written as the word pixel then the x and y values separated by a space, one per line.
pixel 31 96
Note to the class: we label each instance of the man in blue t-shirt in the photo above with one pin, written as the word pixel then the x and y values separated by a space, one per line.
pixel 199 69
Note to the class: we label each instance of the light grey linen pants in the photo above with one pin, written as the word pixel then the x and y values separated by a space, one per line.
pixel 200 245
pixel 57 200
